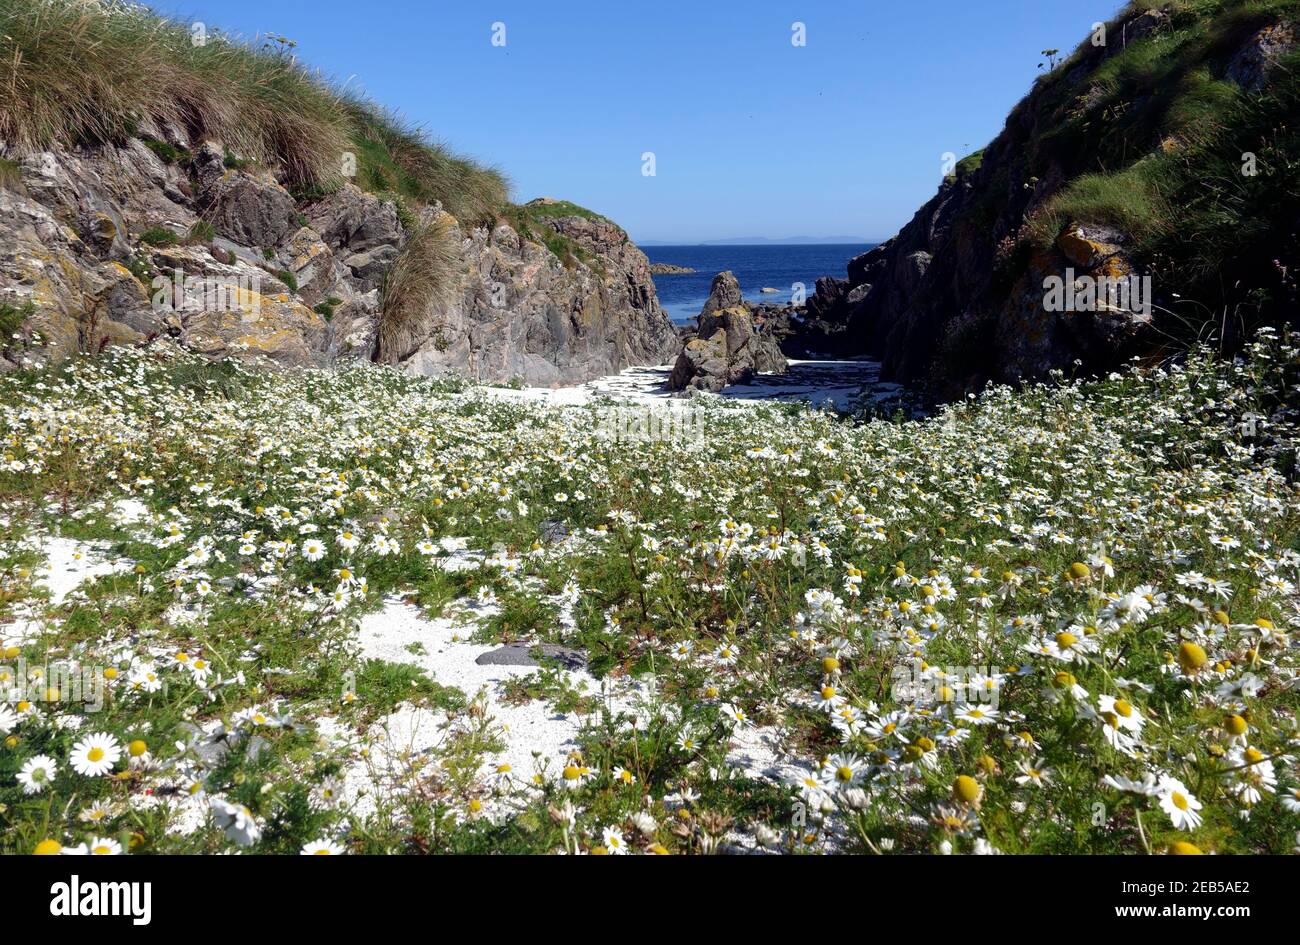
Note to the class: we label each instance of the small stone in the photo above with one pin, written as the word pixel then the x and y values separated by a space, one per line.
pixel 521 654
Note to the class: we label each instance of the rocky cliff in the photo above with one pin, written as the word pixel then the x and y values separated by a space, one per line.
pixel 161 235
pixel 1163 149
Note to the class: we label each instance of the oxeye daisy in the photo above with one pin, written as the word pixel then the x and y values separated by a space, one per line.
pixel 841 771
pixel 1179 804
pixel 37 773
pixel 1120 713
pixel 1291 800
pixel 95 755
pixel 611 839
pixel 735 714
pixel 827 698
pixel 313 550
pixel 1033 774
pixel 322 847
pixel 101 846
pixel 976 715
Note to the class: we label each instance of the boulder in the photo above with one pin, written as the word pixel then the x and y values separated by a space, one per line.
pixel 251 209
pixel 1254 62
pixel 724 292
pixel 354 220
pixel 520 313
pixel 521 654
pixel 729 349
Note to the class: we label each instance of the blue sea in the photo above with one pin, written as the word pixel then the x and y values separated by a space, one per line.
pixel 772 265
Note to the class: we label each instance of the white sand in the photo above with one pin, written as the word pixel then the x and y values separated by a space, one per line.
pixel 817 382
pixel 402 742
pixel 69 564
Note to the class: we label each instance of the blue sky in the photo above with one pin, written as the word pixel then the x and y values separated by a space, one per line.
pixel 752 136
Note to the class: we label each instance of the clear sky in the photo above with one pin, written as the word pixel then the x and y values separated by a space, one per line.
pixel 751 134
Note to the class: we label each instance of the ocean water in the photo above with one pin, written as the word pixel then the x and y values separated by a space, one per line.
pixel 771 265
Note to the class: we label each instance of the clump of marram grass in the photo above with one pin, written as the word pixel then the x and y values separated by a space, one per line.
pixel 395 158
pixel 78 71
pixel 423 274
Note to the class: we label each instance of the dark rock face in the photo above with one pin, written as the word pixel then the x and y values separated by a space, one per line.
pixel 961 295
pixel 311 276
pixel 1251 66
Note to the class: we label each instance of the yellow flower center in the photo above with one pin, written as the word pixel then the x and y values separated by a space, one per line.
pixel 966 789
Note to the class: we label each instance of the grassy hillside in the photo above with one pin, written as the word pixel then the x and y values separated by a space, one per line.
pixel 1155 140
pixel 1170 142
pixel 82 72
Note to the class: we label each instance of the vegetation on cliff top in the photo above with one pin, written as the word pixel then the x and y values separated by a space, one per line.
pixel 1158 139
pixel 75 72
pixel 529 220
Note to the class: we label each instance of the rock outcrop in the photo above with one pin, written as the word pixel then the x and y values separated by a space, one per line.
pixel 520 313
pixel 159 235
pixel 724 292
pixel 1027 260
pixel 730 345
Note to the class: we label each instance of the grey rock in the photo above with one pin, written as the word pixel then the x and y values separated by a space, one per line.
pixel 354 220
pixel 521 654
pixel 518 313
pixel 724 292
pixel 554 530
pixel 729 348
pixel 69 246
pixel 250 209
pixel 1252 64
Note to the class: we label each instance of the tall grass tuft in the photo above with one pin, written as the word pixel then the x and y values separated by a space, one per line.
pixel 89 71
pixel 422 277
pixel 396 158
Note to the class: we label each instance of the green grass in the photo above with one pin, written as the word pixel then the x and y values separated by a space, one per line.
pixel 73 73
pixel 201 232
pixel 159 236
pixel 12 318
pixel 395 158
pixel 1157 150
pixel 529 220
pixel 11 177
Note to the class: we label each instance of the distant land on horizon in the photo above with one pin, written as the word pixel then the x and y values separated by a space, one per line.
pixel 765 241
